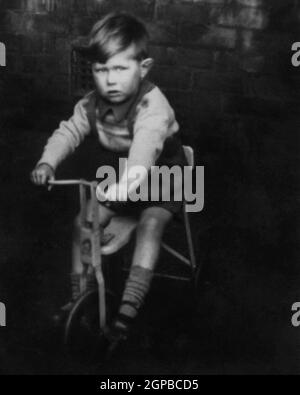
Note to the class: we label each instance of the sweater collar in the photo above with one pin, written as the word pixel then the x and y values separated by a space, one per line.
pixel 121 111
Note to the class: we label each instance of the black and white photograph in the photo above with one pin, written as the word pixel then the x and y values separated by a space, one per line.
pixel 149 199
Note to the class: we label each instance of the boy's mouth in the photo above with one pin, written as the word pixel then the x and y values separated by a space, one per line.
pixel 114 93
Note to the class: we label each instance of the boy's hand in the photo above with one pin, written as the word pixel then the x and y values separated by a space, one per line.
pixel 42 174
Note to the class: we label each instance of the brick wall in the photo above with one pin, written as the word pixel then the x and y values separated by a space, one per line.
pixel 207 51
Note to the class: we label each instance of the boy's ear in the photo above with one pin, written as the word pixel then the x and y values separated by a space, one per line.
pixel 146 66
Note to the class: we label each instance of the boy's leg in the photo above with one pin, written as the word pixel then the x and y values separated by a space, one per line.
pixel 149 234
pixel 77 278
pixel 105 215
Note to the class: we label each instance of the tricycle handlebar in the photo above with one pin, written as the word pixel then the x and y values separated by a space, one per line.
pixel 71 182
pixel 90 184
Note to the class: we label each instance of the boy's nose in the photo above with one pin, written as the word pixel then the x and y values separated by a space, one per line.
pixel 111 77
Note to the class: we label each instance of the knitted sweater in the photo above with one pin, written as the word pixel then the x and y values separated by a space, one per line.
pixel 138 127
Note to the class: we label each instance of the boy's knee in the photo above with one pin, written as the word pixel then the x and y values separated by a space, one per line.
pixel 152 224
pixel 105 215
pixel 149 224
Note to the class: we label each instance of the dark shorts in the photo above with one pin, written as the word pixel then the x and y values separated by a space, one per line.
pixel 135 208
pixel 172 155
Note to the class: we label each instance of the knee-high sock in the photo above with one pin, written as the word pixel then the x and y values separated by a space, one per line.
pixel 136 289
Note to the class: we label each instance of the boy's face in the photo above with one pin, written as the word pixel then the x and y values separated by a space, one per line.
pixel 119 78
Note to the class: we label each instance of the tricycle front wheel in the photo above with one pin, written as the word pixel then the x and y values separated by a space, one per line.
pixel 82 334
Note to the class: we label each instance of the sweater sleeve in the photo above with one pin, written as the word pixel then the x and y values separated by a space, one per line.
pixel 68 136
pixel 155 121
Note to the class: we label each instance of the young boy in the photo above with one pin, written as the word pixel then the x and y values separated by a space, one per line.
pixel 129 117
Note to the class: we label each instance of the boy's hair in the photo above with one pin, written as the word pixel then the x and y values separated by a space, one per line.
pixel 115 33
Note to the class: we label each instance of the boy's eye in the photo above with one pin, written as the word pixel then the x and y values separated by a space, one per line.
pixel 99 70
pixel 120 68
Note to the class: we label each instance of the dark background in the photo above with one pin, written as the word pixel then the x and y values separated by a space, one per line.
pixel 225 66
